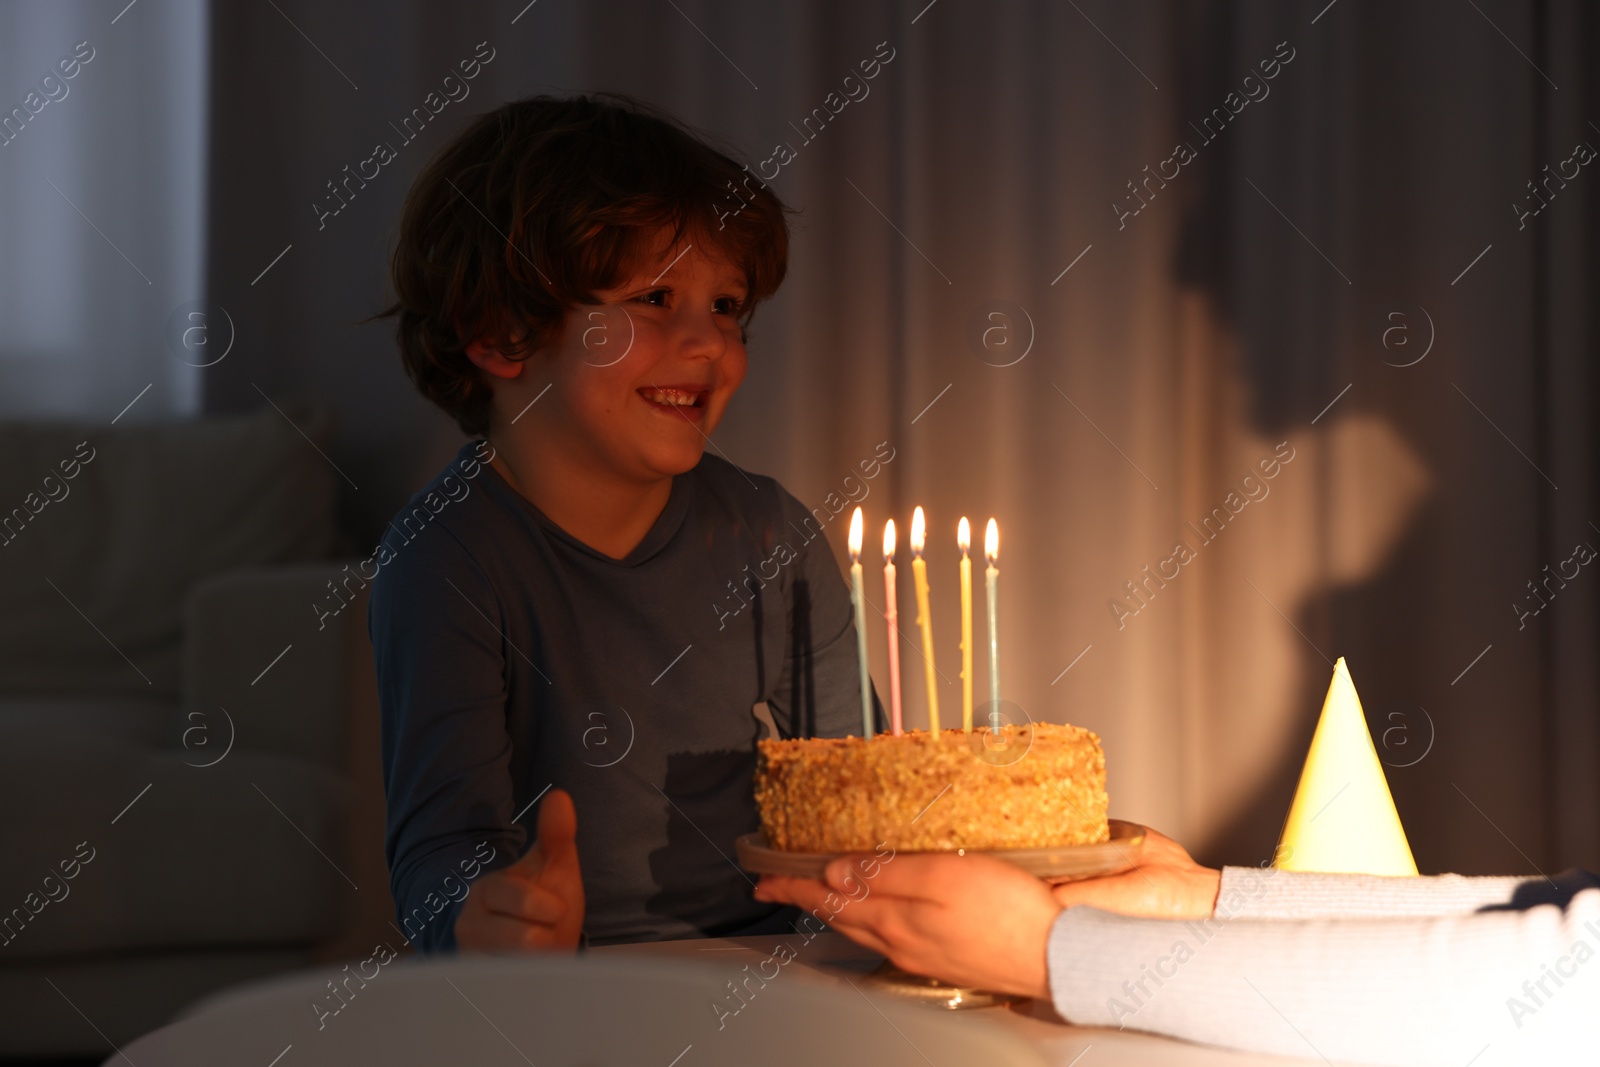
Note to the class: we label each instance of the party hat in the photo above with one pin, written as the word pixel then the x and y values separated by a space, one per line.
pixel 1343 818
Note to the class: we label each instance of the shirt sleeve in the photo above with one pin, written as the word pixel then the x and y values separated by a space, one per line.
pixel 818 691
pixel 446 751
pixel 1267 893
pixel 1486 987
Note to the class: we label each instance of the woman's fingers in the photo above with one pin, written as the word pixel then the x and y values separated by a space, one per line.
pixel 804 893
pixel 904 875
pixel 858 877
pixel 845 910
pixel 882 922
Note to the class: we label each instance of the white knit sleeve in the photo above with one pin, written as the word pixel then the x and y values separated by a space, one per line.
pixel 1267 893
pixel 1501 986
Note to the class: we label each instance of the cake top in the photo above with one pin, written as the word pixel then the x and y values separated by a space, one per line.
pixel 1009 746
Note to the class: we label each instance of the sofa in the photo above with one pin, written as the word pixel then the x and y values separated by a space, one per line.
pixel 188 793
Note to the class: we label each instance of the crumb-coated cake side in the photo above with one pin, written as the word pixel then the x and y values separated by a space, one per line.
pixel 921 792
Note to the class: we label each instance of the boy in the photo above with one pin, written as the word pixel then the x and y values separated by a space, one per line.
pixel 553 647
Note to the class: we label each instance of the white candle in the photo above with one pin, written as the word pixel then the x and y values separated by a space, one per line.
pixel 991 549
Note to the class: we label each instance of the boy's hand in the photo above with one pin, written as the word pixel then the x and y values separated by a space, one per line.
pixel 969 920
pixel 536 903
pixel 1167 884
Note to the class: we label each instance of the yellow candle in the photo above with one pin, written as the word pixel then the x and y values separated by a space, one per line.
pixel 892 616
pixel 964 540
pixel 919 573
pixel 991 549
pixel 859 597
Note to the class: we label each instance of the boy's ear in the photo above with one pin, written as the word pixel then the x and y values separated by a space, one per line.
pixel 488 357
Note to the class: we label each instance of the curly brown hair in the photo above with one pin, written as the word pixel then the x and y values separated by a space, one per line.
pixel 542 202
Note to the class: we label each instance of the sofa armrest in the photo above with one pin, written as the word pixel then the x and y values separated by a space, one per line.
pixel 253 646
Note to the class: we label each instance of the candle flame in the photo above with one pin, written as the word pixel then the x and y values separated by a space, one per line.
pixel 855 536
pixel 964 535
pixel 919 532
pixel 991 542
pixel 888 540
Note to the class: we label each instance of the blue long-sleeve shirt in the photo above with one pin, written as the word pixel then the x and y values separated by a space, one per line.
pixel 512 657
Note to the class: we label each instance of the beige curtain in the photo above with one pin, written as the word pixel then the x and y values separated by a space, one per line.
pixel 1266 302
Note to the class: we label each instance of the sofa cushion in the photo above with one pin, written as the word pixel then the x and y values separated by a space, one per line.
pixel 125 995
pixel 104 530
pixel 147 721
pixel 237 854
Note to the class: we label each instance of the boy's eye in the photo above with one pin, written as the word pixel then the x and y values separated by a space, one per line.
pixel 723 305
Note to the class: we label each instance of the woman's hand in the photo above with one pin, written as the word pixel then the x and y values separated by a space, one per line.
pixel 977 921
pixel 536 903
pixel 1167 884
pixel 969 920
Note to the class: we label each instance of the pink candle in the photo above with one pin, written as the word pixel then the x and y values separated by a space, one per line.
pixel 893 617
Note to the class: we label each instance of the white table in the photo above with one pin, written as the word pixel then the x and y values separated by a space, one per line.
pixel 831 958
pixel 657 1005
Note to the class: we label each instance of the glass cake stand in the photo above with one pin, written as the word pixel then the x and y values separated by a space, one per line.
pixel 1063 864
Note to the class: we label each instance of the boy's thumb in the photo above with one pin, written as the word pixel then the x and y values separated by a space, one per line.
pixel 558 825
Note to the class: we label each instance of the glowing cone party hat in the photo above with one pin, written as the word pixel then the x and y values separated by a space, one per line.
pixel 1343 819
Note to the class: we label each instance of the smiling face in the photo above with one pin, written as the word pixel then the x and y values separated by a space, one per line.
pixel 638 381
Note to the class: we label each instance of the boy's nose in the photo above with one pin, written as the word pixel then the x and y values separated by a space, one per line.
pixel 701 337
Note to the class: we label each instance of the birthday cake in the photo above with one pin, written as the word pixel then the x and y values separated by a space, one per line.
pixel 1040 785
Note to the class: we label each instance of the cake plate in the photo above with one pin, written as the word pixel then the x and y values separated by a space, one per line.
pixel 1063 864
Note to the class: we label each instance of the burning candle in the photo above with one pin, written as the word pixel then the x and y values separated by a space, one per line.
pixel 919 574
pixel 964 540
pixel 858 596
pixel 991 550
pixel 893 617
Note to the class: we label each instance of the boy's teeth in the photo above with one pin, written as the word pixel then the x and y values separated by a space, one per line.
pixel 675 397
